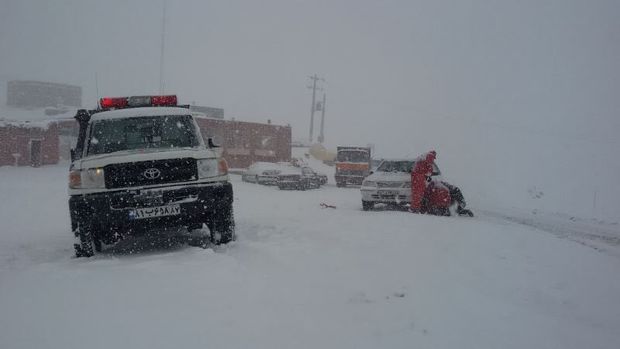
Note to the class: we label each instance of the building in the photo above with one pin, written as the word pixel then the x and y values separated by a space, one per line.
pixel 24 143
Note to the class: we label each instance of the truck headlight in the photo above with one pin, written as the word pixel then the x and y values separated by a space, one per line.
pixel 92 178
pixel 369 184
pixel 211 168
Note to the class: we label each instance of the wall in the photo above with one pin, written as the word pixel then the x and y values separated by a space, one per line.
pixel 16 138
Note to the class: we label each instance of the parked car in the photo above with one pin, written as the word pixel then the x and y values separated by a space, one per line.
pixel 319 178
pixel 300 178
pixel 263 173
pixel 390 183
pixel 293 178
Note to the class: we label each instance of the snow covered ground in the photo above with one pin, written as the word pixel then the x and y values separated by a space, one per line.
pixel 301 276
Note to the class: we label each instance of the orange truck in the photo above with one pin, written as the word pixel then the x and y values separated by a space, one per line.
pixel 352 165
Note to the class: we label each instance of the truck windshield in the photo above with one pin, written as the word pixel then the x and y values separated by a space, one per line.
pixel 151 132
pixel 353 156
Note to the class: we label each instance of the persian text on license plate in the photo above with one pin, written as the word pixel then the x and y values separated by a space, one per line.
pixel 150 212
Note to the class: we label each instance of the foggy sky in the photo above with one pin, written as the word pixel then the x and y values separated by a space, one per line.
pixel 390 66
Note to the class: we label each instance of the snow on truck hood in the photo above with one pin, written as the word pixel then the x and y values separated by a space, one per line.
pixel 143 155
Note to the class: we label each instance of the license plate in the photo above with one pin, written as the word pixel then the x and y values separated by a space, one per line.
pixel 387 192
pixel 150 212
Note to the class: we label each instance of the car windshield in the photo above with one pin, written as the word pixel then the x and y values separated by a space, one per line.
pixel 153 132
pixel 353 156
pixel 396 166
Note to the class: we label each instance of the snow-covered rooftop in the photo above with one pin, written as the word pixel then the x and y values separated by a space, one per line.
pixel 36 114
pixel 26 124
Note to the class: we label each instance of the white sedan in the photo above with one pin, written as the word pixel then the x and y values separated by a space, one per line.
pixel 390 183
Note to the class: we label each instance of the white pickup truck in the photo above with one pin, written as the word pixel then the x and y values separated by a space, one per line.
pixel 141 163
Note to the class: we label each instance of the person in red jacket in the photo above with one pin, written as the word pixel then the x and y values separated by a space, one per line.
pixel 422 169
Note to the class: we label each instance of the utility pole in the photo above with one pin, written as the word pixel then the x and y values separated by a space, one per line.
pixel 321 135
pixel 314 79
pixel 161 57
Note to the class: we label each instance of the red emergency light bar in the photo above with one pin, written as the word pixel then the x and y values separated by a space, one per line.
pixel 170 100
pixel 116 103
pixel 138 101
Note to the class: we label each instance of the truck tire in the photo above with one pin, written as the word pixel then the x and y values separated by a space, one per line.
pixel 97 243
pixel 367 205
pixel 85 247
pixel 222 225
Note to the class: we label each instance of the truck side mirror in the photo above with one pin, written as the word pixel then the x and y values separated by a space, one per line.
pixel 211 144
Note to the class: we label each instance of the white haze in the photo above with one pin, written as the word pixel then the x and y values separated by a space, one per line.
pixel 405 76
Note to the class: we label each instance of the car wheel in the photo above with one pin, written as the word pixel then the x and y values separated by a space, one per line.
pixel 367 205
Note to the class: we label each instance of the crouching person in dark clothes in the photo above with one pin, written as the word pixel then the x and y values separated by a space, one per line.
pixel 457 198
pixel 439 196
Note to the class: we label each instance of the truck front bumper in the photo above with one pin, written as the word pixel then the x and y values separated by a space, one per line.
pixel 114 212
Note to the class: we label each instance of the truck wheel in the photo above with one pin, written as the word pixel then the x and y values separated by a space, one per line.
pixel 85 247
pixel 222 225
pixel 97 244
pixel 339 184
pixel 367 205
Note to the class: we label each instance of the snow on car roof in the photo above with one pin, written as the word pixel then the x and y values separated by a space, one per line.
pixel 283 168
pixel 138 112
pixel 398 159
pixel 286 170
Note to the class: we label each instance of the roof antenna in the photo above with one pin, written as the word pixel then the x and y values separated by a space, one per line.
pixel 161 57
pixel 97 90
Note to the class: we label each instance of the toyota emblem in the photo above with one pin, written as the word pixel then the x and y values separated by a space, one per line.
pixel 151 173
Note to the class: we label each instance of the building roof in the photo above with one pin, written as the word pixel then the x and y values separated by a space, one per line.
pixel 36 114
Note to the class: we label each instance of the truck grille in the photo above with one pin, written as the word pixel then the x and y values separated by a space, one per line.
pixel 150 173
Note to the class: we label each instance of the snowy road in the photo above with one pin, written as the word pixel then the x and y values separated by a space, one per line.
pixel 301 276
